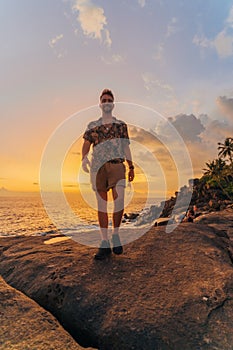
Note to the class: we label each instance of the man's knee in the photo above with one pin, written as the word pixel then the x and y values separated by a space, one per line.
pixel 101 201
pixel 118 192
pixel 101 195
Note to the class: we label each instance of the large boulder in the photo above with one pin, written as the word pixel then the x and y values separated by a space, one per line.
pixel 168 291
pixel 27 326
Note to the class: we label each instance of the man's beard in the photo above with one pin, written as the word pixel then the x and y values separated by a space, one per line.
pixel 107 107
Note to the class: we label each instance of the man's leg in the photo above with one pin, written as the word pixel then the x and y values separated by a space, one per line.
pixel 118 193
pixel 102 198
pixel 118 196
pixel 104 249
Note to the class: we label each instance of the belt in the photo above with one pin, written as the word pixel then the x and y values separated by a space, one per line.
pixel 116 161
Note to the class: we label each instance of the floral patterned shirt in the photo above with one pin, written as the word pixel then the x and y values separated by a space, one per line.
pixel 108 141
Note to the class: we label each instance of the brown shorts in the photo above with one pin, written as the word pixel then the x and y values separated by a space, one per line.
pixel 108 176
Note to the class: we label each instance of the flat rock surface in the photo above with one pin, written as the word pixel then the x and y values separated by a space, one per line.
pixel 222 221
pixel 166 291
pixel 27 326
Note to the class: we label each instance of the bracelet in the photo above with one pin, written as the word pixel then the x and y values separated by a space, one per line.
pixel 131 167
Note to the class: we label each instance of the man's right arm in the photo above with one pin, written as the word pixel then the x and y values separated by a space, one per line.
pixel 85 151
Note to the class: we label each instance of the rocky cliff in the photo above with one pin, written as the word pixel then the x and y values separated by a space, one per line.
pixel 205 198
pixel 198 193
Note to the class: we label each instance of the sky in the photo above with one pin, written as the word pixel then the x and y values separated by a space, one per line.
pixel 174 57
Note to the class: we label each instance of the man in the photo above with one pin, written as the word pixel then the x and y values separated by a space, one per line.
pixel 110 141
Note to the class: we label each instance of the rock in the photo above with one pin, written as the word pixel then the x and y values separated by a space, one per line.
pixel 131 216
pixel 167 291
pixel 221 221
pixel 163 222
pixel 214 204
pixel 25 325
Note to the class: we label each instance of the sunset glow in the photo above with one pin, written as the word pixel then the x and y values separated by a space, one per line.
pixel 57 57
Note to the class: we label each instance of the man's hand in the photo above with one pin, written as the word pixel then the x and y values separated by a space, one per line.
pixel 131 175
pixel 85 164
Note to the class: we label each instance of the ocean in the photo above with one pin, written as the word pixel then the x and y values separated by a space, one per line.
pixel 25 214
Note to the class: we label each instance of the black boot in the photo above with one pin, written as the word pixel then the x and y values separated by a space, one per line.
pixel 103 251
pixel 117 247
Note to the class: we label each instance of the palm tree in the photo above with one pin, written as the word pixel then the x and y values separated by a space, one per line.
pixel 215 171
pixel 226 149
pixel 214 168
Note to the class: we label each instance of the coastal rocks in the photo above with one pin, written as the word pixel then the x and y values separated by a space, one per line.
pixel 163 222
pixel 129 217
pixel 197 194
pixel 25 325
pixel 204 198
pixel 165 292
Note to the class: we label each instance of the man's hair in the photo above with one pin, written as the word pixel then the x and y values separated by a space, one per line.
pixel 106 92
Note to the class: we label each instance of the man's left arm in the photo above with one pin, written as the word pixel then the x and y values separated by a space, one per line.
pixel 128 157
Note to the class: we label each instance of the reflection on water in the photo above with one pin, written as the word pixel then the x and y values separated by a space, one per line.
pixel 26 215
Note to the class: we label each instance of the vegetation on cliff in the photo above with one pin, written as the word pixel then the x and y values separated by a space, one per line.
pixel 218 173
pixel 213 191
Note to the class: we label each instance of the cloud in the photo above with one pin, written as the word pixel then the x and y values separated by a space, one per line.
pixel 150 82
pixel 172 27
pixel 92 21
pixel 142 3
pixel 114 59
pixel 145 137
pixel 205 137
pixel 191 130
pixel 188 126
pixel 163 85
pixel 202 41
pixel 216 130
pixel 53 42
pixel 158 56
pixel 222 43
pixel 161 94
pixel 145 156
pixel 57 49
pixel 108 40
pixel 225 106
pixel 204 119
pixel 201 134
pixel 229 20
pixel 154 154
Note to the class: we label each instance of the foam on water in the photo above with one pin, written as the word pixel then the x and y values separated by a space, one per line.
pixel 26 215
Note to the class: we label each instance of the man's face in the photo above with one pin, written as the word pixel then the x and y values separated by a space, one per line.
pixel 106 103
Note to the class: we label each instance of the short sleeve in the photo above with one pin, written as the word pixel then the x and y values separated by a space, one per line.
pixel 124 134
pixel 87 134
